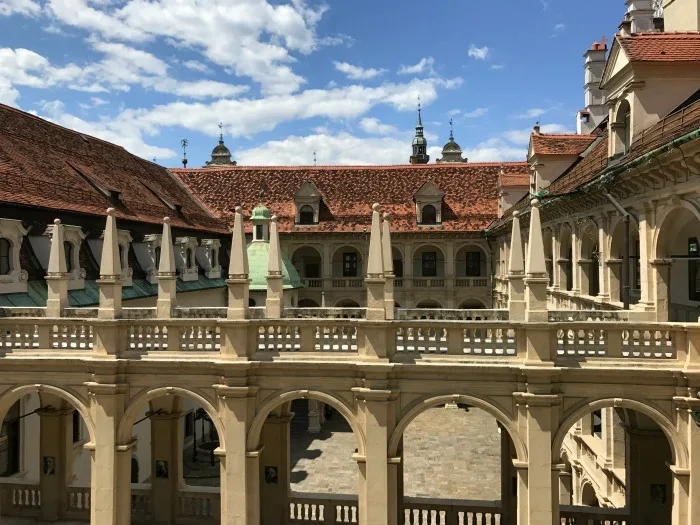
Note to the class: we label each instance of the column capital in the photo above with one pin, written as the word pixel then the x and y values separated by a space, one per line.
pixel 371 394
pixel 235 392
pixel 103 388
pixel 127 447
pixel 537 400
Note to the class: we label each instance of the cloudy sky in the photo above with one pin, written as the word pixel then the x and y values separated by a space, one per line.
pixel 290 77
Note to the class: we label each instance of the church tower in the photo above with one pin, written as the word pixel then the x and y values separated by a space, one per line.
pixel 420 145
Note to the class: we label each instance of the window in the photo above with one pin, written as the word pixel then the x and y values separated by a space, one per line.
pixel 312 270
pixel 258 232
pixel 157 257
pixel 428 215
pixel 473 264
pixel 5 250
pixel 306 215
pixel 76 426
pixel 350 265
pixel 597 423
pixel 68 248
pixel 429 263
pixel 693 269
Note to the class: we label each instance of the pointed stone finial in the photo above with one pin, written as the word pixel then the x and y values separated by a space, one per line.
pixel 167 252
pixel 274 262
pixel 516 262
pixel 375 268
pixel 238 264
pixel 536 266
pixel 110 265
pixel 57 256
pixel 387 258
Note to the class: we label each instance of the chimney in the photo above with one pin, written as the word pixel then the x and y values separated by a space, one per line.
pixel 641 14
pixel 594 112
pixel 626 27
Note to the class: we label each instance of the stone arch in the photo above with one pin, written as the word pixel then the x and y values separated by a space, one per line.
pixel 589 496
pixel 679 452
pixel 425 403
pixel 14 394
pixel 460 258
pixel 351 246
pixel 277 399
pixel 670 214
pixel 429 303
pixel 422 245
pixel 126 424
pixel 347 303
pixel 464 303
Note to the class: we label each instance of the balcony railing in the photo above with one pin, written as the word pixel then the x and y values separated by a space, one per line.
pixel 572 515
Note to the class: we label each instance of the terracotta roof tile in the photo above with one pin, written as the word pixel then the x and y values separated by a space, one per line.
pixel 662 47
pixel 564 144
pixel 48 166
pixel 348 192
pixel 506 180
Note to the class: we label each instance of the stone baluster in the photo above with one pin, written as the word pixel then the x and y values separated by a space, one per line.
pixel 275 279
pixel 57 274
pixel 167 274
pixel 516 273
pixel 387 260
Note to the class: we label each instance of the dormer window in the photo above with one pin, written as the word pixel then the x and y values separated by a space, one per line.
pixel 208 257
pixel 184 258
pixel 428 215
pixel 5 263
pixel 308 205
pixel 621 130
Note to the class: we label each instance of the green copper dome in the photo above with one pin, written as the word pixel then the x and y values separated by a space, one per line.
pixel 257 264
pixel 261 212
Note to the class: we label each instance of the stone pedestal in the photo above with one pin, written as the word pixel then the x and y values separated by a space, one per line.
pixel 273 300
pixel 57 294
pixel 167 300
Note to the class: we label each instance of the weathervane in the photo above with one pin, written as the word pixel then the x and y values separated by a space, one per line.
pixel 184 143
pixel 451 134
pixel 418 103
pixel 221 131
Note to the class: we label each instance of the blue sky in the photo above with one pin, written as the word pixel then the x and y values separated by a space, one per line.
pixel 290 77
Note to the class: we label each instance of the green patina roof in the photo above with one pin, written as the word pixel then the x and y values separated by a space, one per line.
pixel 257 264
pixel 261 212
pixel 90 295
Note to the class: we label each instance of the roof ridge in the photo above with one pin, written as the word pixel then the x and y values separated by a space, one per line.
pixel 446 165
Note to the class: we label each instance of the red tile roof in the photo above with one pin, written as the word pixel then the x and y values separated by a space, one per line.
pixel 564 144
pixel 470 202
pixel 662 47
pixel 48 166
pixel 506 180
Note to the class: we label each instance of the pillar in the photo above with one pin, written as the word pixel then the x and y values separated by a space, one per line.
pixel 237 282
pixel 375 483
pixel 516 273
pixel 556 278
pixel 53 451
pixel 275 279
pixel 166 458
pixel 615 279
pixel 396 490
pixel 575 258
pixel 662 273
pixel 167 274
pixel 645 233
pixel 603 254
pixel 110 474
pixel 110 281
pixel 686 481
pixel 240 480
pixel 375 271
pixel 315 408
pixel 56 274
pixel 274 467
pixel 388 263
pixel 508 499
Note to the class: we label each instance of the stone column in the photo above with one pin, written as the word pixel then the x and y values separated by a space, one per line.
pixel 314 416
pixel 603 279
pixel 110 282
pixel 662 271
pixel 167 274
pixel 536 270
pixel 238 283
pixel 646 219
pixel 686 482
pixel 556 278
pixel 375 485
pixel 110 476
pixel 508 508
pixel 166 457
pixel 615 279
pixel 274 467
pixel 53 450
pixel 575 258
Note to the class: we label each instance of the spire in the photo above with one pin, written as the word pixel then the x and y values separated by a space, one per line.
pixel 420 144
pixel 515 263
pixel 536 266
pixel 516 285
pixel 238 264
pixel 57 256
pixel 420 120
pixel 375 268
pixel 183 142
pixel 167 253
pixel 57 276
pixel 110 265
pixel 275 279
pixel 386 246
pixel 221 133
pixel 167 276
pixel 274 262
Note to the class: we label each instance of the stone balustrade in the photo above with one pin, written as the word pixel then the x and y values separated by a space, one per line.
pixel 424 511
pixel 571 515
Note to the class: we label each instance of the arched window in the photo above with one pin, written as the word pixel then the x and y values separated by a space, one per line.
pixel 306 215
pixel 5 251
pixel 68 249
pixel 428 215
pixel 622 129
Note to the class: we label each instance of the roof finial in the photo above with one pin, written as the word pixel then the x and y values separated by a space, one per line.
pixel 221 132
pixel 536 129
pixel 451 131
pixel 420 121
pixel 184 143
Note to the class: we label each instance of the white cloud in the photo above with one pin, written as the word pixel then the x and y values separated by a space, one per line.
pixel 522 136
pixel 196 65
pixel 478 53
pixel 357 72
pixel 497 66
pixel 337 40
pixel 453 112
pixel 425 64
pixel 375 127
pixel 94 103
pixel 559 27
pixel 532 113
pixel 476 113
pixel 19 7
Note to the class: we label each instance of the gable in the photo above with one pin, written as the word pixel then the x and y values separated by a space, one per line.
pixel 429 191
pixel 617 61
pixel 308 190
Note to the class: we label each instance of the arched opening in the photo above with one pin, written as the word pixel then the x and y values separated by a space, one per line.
pixel 472 304
pixel 637 446
pixel 429 304
pixel 306 215
pixel 308 263
pixel 347 303
pixel 251 303
pixel 307 442
pixel 456 448
pixel 45 470
pixel 5 259
pixel 471 261
pixel 622 129
pixel 589 261
pixel 175 475
pixel 68 252
pixel 566 261
pixel 397 260
pixel 677 278
pixel 428 262
pixel 428 215
pixel 615 262
pixel 347 264
pixel 308 303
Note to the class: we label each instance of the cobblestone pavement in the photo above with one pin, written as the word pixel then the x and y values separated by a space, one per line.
pixel 449 453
